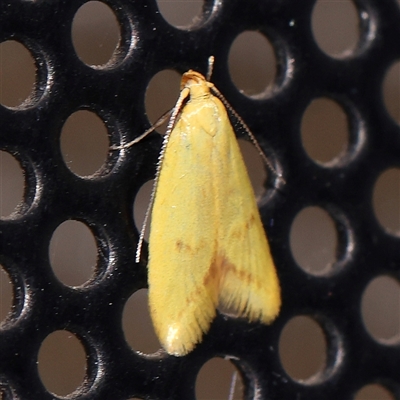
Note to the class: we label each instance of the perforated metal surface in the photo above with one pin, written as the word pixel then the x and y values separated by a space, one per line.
pixel 116 93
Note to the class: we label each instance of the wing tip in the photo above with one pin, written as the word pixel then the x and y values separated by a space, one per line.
pixel 253 304
pixel 181 335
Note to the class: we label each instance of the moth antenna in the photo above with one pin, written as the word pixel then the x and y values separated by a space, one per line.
pixel 233 385
pixel 248 131
pixel 210 68
pixel 158 123
pixel 171 123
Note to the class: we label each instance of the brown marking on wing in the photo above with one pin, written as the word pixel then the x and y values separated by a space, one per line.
pixel 180 246
pixel 229 268
pixel 214 272
pixel 250 221
pixel 240 232
pixel 194 297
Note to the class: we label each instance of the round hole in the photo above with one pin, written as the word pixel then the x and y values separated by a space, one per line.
pixel 335 26
pixel 255 166
pixel 302 348
pixel 181 14
pixel 11 183
pixel 73 253
pixel 380 308
pixel 137 325
pixel 391 92
pixel 313 240
pixel 161 95
pixel 84 143
pixel 140 207
pixel 219 379
pixel 373 392
pixel 325 130
pixel 18 73
pixel 62 363
pixel 95 33
pixel 252 63
pixel 6 294
pixel 386 200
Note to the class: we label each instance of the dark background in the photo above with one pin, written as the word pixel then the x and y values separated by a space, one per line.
pixel 313 236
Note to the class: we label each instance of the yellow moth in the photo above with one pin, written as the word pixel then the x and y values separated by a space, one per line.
pixel 207 244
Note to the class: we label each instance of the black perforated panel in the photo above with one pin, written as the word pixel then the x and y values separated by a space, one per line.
pixel 116 93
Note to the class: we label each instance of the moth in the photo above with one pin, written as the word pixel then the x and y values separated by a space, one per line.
pixel 207 244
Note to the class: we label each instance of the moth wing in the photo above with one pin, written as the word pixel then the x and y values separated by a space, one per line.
pixel 207 242
pixel 182 295
pixel 249 283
